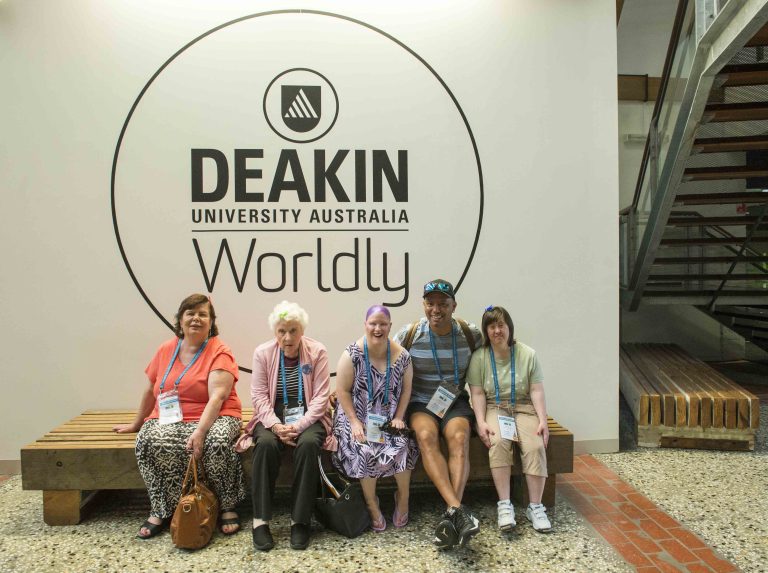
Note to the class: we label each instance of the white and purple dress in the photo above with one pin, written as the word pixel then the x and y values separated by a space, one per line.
pixel 370 460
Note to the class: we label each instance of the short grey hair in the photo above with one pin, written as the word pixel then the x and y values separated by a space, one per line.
pixel 286 312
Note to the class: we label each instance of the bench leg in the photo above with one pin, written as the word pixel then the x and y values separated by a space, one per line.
pixel 64 507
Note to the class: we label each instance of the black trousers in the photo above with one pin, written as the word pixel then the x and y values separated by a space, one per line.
pixel 306 475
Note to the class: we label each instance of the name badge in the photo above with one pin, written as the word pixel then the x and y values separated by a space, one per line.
pixel 508 427
pixel 373 431
pixel 442 399
pixel 169 407
pixel 293 415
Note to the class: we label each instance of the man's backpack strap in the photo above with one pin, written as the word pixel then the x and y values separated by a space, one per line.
pixel 467 334
pixel 408 340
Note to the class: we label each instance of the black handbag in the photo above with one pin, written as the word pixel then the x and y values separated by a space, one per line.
pixel 344 512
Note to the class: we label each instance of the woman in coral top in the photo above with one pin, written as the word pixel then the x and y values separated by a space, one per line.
pixel 189 407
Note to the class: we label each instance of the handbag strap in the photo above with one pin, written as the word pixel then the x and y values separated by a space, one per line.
pixel 192 465
pixel 325 482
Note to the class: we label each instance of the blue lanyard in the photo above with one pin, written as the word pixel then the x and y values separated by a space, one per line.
pixel 285 389
pixel 455 355
pixel 175 355
pixel 496 376
pixel 368 373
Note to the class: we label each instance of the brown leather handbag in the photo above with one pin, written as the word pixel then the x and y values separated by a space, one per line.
pixel 194 520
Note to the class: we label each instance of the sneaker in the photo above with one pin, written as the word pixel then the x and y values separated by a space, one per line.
pixel 537 515
pixel 466 524
pixel 506 513
pixel 445 533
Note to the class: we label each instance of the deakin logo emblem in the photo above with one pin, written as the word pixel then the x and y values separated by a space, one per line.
pixel 301 106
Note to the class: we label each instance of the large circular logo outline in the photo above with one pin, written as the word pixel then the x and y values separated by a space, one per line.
pixel 335 95
pixel 273 13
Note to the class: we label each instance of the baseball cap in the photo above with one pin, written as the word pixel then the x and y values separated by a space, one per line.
pixel 439 286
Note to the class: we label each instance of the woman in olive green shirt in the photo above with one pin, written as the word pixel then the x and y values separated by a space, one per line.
pixel 507 389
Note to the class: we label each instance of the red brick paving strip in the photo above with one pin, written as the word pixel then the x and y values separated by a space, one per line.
pixel 633 525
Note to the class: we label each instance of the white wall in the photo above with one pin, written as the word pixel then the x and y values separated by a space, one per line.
pixel 77 332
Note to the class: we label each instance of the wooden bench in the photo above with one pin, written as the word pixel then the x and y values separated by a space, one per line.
pixel 679 401
pixel 74 461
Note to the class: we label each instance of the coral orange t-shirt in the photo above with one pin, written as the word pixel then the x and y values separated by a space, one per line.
pixel 193 388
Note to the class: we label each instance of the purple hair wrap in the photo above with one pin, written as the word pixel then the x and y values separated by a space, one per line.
pixel 378 308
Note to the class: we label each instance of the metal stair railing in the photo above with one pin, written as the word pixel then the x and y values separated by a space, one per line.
pixel 706 35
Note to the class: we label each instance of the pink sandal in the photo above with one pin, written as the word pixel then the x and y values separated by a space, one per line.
pixel 399 520
pixel 379 525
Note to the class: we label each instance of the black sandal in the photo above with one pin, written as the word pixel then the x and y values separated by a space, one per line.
pixel 154 528
pixel 229 521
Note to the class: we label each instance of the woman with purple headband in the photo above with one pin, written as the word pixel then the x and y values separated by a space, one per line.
pixel 373 384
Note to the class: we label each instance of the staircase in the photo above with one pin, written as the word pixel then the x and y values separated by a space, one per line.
pixel 697 231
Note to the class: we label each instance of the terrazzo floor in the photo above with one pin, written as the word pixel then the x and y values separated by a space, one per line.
pixel 722 497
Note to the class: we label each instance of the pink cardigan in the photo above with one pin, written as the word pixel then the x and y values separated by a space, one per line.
pixel 317 385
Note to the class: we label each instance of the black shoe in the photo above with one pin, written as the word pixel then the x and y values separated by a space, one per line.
pixel 299 536
pixel 466 524
pixel 262 538
pixel 445 533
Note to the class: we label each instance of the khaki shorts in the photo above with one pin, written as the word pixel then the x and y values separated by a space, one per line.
pixel 533 454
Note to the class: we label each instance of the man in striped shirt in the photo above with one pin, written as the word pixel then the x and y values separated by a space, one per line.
pixel 440 348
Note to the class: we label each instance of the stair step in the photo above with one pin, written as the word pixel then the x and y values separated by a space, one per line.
pixel 723 173
pixel 712 277
pixel 745 322
pixel 744 75
pixel 713 241
pixel 727 144
pixel 721 198
pixel 705 260
pixel 743 311
pixel 749 111
pixel 726 221
pixel 705 292
pixel 760 38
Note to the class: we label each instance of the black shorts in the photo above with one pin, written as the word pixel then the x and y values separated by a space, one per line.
pixel 459 409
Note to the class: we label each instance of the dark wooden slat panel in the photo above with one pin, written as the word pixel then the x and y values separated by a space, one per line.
pixel 704 292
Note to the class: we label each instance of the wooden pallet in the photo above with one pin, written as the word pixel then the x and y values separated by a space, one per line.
pixel 73 461
pixel 679 401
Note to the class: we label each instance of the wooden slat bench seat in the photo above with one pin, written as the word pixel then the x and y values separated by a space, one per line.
pixel 84 455
pixel 679 401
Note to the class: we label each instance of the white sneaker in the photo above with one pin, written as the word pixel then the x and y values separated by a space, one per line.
pixel 537 515
pixel 506 513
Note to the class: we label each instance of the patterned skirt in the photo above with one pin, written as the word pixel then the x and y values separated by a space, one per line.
pixel 162 458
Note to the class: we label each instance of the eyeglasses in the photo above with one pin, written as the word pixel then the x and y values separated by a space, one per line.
pixel 442 287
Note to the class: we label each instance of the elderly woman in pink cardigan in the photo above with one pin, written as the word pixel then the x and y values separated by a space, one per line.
pixel 289 390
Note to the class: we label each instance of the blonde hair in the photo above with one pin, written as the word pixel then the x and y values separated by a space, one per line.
pixel 286 312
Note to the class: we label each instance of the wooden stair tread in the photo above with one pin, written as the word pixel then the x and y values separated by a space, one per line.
pixel 723 172
pixel 747 111
pixel 711 277
pixel 712 259
pixel 721 198
pixel 725 221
